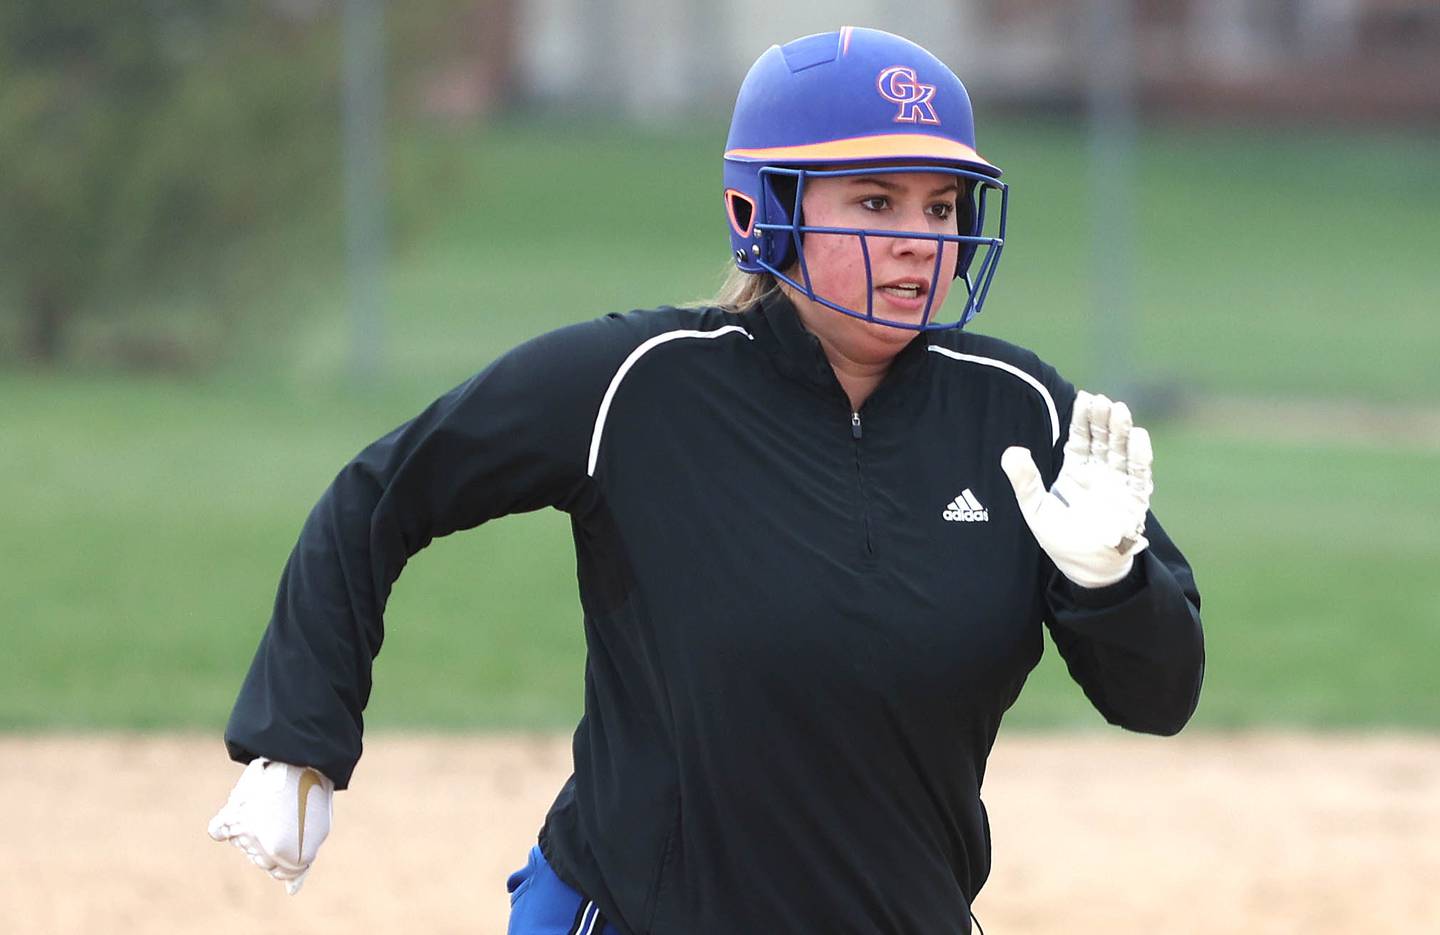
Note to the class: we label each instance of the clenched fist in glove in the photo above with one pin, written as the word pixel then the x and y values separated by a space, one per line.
pixel 1091 522
pixel 278 815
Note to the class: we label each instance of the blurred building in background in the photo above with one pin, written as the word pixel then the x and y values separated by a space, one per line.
pixel 157 168
pixel 1341 59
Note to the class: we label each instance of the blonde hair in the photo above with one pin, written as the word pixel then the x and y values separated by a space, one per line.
pixel 741 290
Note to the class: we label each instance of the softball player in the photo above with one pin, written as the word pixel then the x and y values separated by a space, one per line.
pixel 819 531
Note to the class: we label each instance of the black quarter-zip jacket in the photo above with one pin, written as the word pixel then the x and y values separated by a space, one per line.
pixel 803 624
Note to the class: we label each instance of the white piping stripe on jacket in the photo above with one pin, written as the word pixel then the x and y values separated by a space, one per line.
pixel 588 918
pixel 1016 371
pixel 635 355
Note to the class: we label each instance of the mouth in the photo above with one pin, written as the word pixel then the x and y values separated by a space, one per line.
pixel 908 294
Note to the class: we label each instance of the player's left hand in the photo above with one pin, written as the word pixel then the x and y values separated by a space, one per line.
pixel 1091 522
pixel 279 815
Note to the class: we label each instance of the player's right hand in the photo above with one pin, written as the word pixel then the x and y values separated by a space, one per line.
pixel 279 815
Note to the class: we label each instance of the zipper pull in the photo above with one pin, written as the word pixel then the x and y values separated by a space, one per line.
pixel 855 424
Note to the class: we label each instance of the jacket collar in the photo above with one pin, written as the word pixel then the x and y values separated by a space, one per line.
pixel 797 353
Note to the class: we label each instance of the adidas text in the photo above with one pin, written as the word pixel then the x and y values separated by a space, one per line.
pixel 966 508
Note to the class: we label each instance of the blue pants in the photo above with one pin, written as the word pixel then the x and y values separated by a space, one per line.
pixel 543 904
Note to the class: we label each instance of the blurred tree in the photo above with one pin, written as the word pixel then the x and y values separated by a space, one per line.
pixel 140 142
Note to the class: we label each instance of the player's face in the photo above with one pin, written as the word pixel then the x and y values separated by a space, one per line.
pixel 901 267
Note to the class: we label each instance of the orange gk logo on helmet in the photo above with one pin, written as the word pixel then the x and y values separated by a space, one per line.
pixel 899 84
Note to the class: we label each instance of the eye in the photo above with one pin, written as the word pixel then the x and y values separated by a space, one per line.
pixel 943 210
pixel 875 203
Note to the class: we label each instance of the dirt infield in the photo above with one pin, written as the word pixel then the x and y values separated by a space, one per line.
pixel 1104 833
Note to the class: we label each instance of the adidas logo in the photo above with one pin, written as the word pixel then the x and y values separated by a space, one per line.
pixel 966 509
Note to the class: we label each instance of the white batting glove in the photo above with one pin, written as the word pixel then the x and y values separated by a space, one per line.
pixel 1092 521
pixel 278 815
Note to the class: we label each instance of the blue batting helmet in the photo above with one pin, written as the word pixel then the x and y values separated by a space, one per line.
pixel 842 103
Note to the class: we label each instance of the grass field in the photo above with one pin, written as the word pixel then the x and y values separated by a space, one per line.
pixel 146 519
pixel 1295 262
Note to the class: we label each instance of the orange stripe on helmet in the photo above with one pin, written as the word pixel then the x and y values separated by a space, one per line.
pixel 868 148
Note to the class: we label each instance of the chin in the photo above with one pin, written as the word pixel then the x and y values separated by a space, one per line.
pixel 892 334
pixel 889 334
pixel 882 342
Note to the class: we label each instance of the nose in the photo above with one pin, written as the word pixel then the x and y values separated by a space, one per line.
pixel 921 247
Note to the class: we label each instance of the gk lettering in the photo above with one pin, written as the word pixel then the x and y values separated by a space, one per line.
pixel 900 85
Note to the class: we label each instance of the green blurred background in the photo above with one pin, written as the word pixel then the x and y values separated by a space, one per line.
pixel 179 373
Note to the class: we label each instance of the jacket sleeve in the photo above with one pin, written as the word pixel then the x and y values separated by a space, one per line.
pixel 1136 648
pixel 513 438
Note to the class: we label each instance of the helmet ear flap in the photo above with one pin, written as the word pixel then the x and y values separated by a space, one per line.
pixel 967 224
pixel 780 249
pixel 756 196
pixel 740 208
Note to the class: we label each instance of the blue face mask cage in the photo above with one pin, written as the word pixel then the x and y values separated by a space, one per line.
pixel 977 285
